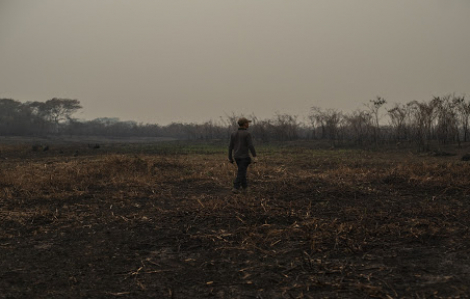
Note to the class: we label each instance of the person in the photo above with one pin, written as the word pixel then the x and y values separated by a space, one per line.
pixel 241 144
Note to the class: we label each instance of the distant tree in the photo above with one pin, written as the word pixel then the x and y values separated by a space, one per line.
pixel 261 128
pixel 333 122
pixel 374 107
pixel 9 110
pixel 60 109
pixel 208 129
pixel 423 117
pixel 230 123
pixel 399 116
pixel 464 114
pixel 55 110
pixel 317 121
pixel 17 118
pixel 106 121
pixel 286 127
pixel 359 125
pixel 447 120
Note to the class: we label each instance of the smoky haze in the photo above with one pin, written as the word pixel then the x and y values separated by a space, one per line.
pixel 191 61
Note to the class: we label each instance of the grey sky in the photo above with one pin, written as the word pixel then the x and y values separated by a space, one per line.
pixel 162 61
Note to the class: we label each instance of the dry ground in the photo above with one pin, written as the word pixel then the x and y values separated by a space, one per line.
pixel 316 224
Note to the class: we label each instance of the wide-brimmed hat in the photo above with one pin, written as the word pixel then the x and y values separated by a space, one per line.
pixel 241 121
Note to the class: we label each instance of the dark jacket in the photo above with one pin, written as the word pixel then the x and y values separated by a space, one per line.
pixel 240 144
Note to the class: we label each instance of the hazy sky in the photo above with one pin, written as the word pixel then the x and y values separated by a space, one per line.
pixel 157 61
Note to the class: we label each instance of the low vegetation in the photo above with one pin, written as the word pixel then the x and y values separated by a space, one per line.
pixel 158 221
pixel 442 120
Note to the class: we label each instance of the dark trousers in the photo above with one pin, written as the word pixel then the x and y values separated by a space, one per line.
pixel 240 181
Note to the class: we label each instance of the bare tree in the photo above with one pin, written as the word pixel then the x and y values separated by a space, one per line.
pixel 423 117
pixel 286 127
pixel 399 116
pixel 262 129
pixel 333 122
pixel 447 122
pixel 230 123
pixel 208 129
pixel 374 107
pixel 463 108
pixel 317 122
pixel 359 125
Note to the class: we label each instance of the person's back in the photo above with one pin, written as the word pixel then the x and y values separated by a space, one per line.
pixel 241 144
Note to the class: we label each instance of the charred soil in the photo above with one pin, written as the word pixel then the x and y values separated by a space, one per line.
pixel 315 224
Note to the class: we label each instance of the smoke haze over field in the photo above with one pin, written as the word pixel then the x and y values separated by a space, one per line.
pixel 191 61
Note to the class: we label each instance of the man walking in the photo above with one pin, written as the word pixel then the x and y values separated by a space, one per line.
pixel 241 143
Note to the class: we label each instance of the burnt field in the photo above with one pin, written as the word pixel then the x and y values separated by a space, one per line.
pixel 159 221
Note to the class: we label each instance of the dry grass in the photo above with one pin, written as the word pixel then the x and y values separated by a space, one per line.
pixel 316 224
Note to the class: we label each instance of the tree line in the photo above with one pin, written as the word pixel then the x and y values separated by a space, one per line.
pixel 443 119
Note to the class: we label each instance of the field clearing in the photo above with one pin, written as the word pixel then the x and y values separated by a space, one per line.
pixel 157 220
